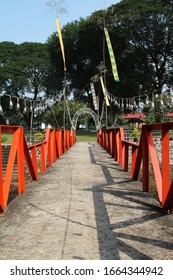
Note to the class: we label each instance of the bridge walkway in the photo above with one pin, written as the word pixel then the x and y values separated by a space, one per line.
pixel 85 208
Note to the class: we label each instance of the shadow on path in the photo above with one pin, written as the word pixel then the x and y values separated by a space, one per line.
pixel 121 237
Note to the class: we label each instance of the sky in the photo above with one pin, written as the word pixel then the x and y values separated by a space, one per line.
pixel 33 21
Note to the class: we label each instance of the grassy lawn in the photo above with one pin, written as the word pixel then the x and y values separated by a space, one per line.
pixel 82 136
pixel 86 136
pixel 6 138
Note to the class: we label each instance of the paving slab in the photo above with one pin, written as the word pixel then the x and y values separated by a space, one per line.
pixel 85 208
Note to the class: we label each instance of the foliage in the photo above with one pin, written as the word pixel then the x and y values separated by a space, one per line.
pixel 82 56
pixel 150 118
pixel 4 138
pixel 148 26
pixel 23 68
pixel 135 134
pixel 120 121
pixel 38 136
pixel 162 105
pixel 23 73
pixel 55 115
pixel 141 33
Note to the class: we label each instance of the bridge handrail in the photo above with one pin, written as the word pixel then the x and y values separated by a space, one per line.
pixel 112 140
pixel 55 144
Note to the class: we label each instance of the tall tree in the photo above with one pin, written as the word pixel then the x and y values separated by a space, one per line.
pixel 83 42
pixel 24 70
pixel 11 76
pixel 149 28
pixel 34 58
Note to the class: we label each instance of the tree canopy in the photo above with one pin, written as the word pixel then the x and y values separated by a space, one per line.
pixel 24 69
pixel 148 26
pixel 141 34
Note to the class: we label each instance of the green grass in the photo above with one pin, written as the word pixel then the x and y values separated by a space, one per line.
pixel 6 138
pixel 86 136
pixel 82 136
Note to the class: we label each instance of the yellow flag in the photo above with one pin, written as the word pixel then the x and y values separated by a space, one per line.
pixel 61 41
pixel 104 92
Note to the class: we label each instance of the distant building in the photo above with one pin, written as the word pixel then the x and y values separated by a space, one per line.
pixel 136 118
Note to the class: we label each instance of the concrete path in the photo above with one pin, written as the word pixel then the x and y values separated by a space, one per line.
pixel 85 207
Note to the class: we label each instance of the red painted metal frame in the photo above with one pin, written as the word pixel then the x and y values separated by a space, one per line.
pixel 112 140
pixel 50 150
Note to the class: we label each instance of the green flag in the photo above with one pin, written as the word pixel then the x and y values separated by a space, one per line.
pixel 112 58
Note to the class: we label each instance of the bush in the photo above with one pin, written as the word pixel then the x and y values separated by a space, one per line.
pixel 135 134
pixel 4 138
pixel 38 136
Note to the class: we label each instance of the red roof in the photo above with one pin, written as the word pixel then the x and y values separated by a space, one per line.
pixel 169 115
pixel 134 116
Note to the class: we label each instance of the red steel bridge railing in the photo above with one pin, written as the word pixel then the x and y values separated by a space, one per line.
pixel 55 144
pixel 145 153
